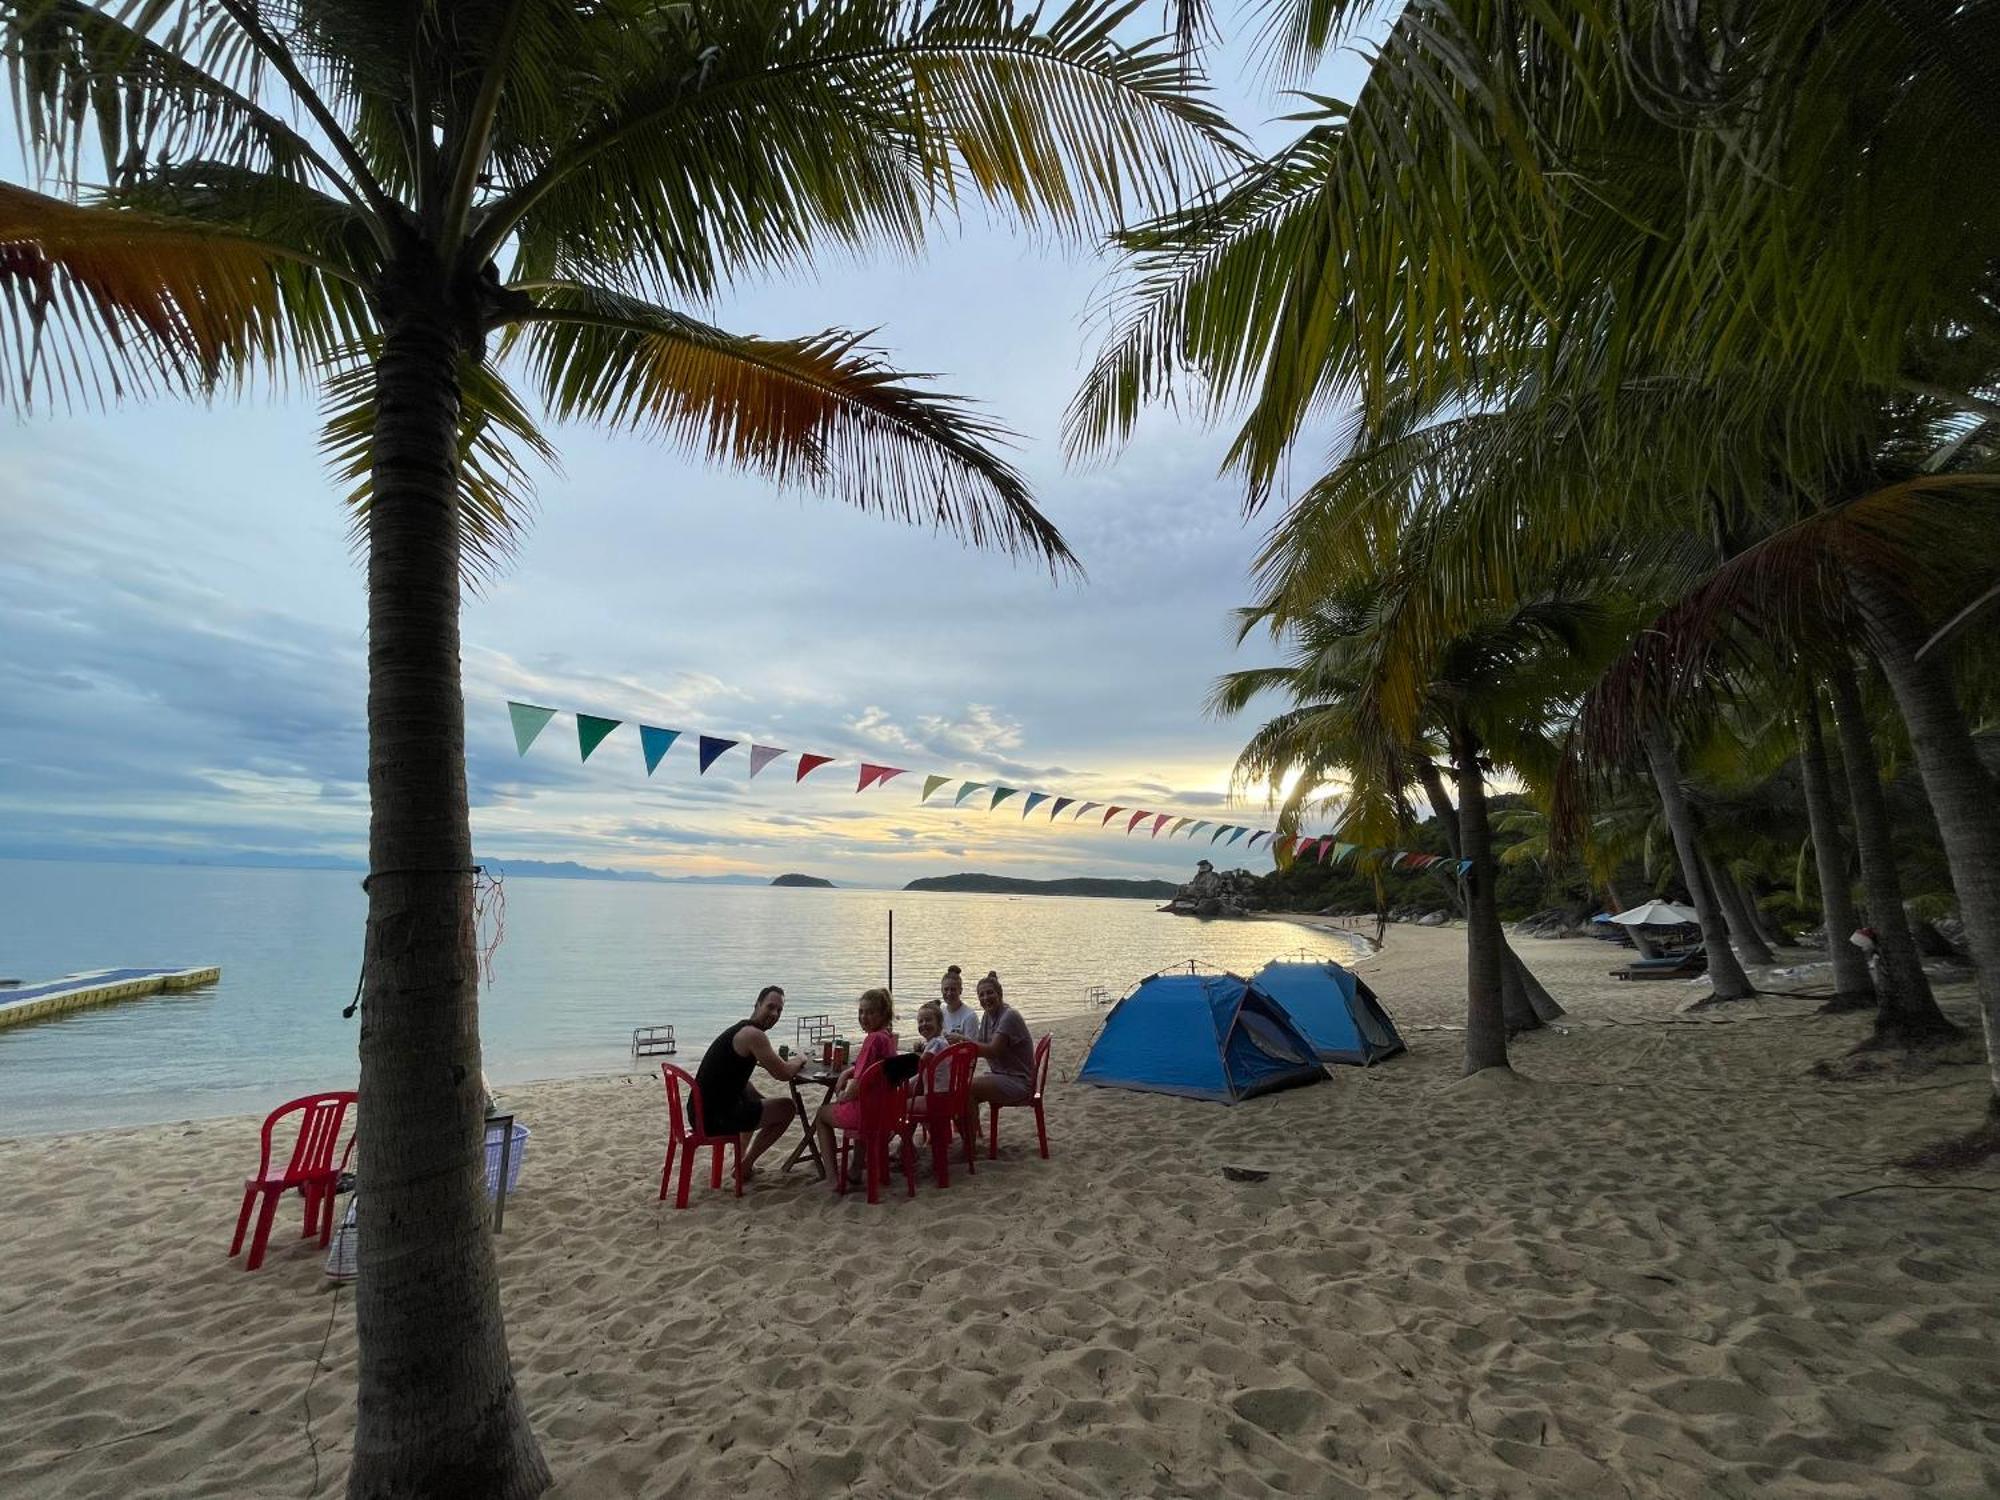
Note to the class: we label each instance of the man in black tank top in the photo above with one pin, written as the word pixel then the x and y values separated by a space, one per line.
pixel 729 1106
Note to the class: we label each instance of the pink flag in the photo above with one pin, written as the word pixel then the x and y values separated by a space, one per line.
pixel 1136 819
pixel 1159 822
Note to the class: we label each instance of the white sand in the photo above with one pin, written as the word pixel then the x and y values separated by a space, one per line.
pixel 1635 1275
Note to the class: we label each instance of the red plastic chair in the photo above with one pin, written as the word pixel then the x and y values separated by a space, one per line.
pixel 1034 1100
pixel 940 1102
pixel 884 1118
pixel 686 1139
pixel 310 1169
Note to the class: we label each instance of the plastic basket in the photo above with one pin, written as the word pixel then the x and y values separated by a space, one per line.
pixel 520 1149
pixel 342 1257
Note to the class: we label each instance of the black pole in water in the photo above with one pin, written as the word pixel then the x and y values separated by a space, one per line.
pixel 892 950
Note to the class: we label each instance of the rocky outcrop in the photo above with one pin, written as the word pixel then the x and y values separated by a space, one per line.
pixel 1217 893
pixel 1555 922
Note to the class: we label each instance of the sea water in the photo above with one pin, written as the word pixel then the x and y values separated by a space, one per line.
pixel 580 963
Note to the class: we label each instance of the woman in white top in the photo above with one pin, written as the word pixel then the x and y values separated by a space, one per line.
pixel 961 1021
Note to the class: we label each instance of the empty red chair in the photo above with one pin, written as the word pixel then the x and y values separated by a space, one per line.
pixel 941 1103
pixel 310 1168
pixel 688 1139
pixel 1034 1099
pixel 884 1118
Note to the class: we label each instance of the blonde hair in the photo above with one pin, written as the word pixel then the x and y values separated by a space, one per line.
pixel 878 999
pixel 932 1009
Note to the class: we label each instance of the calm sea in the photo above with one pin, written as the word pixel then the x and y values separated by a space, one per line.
pixel 581 963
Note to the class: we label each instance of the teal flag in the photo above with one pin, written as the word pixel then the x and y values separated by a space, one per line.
pixel 1220 830
pixel 966 791
pixel 656 743
pixel 1035 800
pixel 591 730
pixel 1000 795
pixel 529 721
pixel 1236 834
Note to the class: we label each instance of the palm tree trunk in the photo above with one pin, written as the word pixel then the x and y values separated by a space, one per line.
pixel 1724 972
pixel 1852 988
pixel 1485 1016
pixel 1749 938
pixel 1524 999
pixel 437 1411
pixel 1905 1009
pixel 1961 793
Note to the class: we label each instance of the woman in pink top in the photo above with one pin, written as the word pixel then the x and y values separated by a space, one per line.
pixel 876 1013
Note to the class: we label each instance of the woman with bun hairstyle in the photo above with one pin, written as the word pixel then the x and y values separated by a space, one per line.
pixel 961 1021
pixel 1009 1049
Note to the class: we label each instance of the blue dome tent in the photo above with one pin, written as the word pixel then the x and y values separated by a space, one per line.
pixel 1205 1036
pixel 1337 1012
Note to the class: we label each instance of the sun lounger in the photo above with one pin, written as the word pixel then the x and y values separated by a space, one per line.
pixel 1667 966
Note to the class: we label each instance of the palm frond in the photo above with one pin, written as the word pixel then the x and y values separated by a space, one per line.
pixel 496 486
pixel 95 302
pixel 821 411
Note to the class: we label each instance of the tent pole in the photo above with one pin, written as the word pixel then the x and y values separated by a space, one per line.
pixel 892 950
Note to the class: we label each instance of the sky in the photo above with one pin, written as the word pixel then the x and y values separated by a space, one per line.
pixel 182 621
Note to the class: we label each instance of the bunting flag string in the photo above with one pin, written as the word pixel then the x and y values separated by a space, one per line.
pixel 528 720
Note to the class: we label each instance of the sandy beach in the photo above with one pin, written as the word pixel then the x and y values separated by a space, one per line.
pixel 1673 1264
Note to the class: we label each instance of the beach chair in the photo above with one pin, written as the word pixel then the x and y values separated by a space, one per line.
pixel 1033 1101
pixel 1667 966
pixel 885 1119
pixel 685 1138
pixel 942 1100
pixel 310 1169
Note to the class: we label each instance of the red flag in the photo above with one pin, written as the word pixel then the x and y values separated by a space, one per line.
pixel 1136 817
pixel 809 764
pixel 1109 814
pixel 1159 822
pixel 875 775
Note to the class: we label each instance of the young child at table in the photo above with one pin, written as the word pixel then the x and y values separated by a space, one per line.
pixel 876 1013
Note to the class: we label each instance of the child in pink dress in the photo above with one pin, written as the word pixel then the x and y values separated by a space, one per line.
pixel 876 1013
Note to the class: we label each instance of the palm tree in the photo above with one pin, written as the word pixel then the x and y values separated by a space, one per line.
pixel 329 189
pixel 1744 215
pixel 1486 703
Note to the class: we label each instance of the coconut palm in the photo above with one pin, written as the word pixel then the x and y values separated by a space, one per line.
pixel 1486 706
pixel 393 201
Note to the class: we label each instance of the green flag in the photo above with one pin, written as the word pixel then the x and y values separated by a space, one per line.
pixel 591 730
pixel 529 721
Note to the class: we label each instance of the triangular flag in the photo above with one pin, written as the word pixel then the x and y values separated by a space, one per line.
pixel 529 721
pixel 711 747
pixel 1341 851
pixel 1221 829
pixel 931 784
pixel 1061 803
pixel 1136 819
pixel 656 743
pixel 1086 808
pixel 1035 799
pixel 809 764
pixel 1325 848
pixel 1000 795
pixel 875 775
pixel 1465 867
pixel 1109 814
pixel 1262 833
pixel 966 791
pixel 591 730
pixel 761 756
pixel 1159 822
pixel 1196 829
pixel 1179 826
pixel 1236 832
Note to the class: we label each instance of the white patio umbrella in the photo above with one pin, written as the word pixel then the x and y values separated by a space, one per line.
pixel 1654 914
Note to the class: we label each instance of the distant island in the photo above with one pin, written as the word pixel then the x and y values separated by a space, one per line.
pixel 1008 885
pixel 567 869
pixel 806 880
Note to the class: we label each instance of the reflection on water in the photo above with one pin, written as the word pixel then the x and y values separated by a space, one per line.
pixel 582 963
